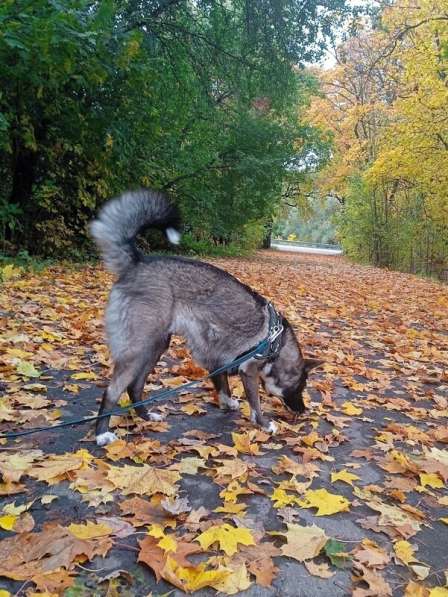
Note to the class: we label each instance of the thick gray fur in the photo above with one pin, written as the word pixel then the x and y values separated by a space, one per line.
pixel 155 297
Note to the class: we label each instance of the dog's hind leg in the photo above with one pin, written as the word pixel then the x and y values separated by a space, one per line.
pixel 124 373
pixel 135 389
pixel 129 374
pixel 221 383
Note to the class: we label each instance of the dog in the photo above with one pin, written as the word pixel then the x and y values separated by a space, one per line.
pixel 220 318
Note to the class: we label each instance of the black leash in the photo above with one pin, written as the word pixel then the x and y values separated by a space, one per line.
pixel 264 349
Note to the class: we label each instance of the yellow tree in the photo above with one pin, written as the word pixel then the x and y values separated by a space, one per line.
pixel 357 94
pixel 386 105
pixel 414 149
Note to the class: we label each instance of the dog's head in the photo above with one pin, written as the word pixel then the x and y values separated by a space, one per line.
pixel 286 377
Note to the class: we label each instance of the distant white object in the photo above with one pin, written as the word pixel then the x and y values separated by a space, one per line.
pixel 298 248
pixel 173 235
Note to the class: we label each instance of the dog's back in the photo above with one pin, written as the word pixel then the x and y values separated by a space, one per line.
pixel 159 295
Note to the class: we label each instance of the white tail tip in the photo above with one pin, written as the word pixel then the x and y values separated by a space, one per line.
pixel 173 235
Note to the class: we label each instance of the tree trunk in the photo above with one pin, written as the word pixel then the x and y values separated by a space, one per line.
pixel 266 242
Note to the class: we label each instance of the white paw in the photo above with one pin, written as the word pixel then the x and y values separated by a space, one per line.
pixel 105 438
pixel 226 402
pixel 155 417
pixel 272 428
pixel 253 417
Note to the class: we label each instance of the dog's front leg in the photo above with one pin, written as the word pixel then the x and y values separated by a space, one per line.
pixel 221 384
pixel 250 378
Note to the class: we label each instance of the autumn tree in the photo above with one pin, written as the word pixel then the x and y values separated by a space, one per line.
pixel 384 106
pixel 197 98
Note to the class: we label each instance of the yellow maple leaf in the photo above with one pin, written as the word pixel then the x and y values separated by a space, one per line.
pixel 432 480
pixel 189 465
pixel 192 578
pixel 311 439
pixel 50 336
pixel 344 476
pixel 167 543
pixel 193 409
pixel 445 519
pixel 71 387
pixel 438 592
pixel 350 409
pixel 155 530
pixel 56 466
pixel 227 536
pixel 8 521
pixel 325 502
pixel 143 480
pixel 235 582
pixel 282 499
pixel 89 375
pixel 18 353
pixel 242 442
pixel 231 508
pixel 13 466
pixel 404 552
pixel 90 530
pixel 232 491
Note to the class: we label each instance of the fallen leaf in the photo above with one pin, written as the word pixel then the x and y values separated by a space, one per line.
pixel 27 369
pixel 431 480
pixel 85 375
pixel 345 476
pixel 415 590
pixel 303 543
pixel 320 570
pixel 8 521
pixel 350 409
pixel 143 480
pixel 227 537
pixel 234 582
pixel 404 552
pixel 90 530
pixel 325 502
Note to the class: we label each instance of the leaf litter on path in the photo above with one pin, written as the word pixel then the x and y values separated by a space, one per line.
pixel 205 500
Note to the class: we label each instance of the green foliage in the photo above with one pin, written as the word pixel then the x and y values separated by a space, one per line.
pixel 198 98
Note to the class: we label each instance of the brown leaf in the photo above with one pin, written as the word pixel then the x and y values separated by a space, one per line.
pixel 321 570
pixel 378 587
pixel 144 512
pixel 29 554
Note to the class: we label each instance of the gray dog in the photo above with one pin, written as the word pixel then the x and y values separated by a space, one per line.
pixel 220 318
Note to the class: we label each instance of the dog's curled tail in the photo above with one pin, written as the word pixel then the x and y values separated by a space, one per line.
pixel 121 219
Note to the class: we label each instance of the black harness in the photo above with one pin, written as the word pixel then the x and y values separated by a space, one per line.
pixel 270 347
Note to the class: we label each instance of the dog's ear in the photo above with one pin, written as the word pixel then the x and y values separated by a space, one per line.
pixel 312 364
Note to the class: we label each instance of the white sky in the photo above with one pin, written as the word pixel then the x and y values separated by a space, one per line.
pixel 329 60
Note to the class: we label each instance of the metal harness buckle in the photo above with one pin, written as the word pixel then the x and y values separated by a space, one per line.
pixel 275 331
